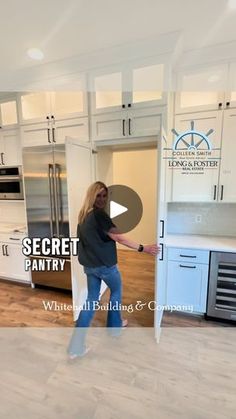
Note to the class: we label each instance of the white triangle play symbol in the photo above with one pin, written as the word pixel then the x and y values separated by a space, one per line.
pixel 116 209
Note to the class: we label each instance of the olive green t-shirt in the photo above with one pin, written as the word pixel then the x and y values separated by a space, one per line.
pixel 95 247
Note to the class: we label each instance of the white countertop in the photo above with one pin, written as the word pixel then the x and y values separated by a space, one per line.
pixel 201 242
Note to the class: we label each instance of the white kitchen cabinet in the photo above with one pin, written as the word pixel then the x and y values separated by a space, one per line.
pixel 69 104
pixel 48 117
pixel 8 113
pixel 227 189
pixel 109 126
pixel 10 147
pixel 193 101
pixel 138 85
pixel 34 107
pixel 4 264
pixel 54 131
pixel 201 89
pixel 107 91
pixel 230 96
pixel 148 83
pixel 45 106
pixel 143 122
pixel 187 279
pixel 213 184
pixel 12 262
pixel 130 124
pixel 74 128
pixel 161 262
pixel 36 134
pixel 200 182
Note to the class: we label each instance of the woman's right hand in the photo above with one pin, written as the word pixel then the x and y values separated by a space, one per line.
pixel 152 249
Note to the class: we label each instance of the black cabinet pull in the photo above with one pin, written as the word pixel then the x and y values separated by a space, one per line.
pixel 6 247
pixel 184 266
pixel 162 251
pixel 214 196
pixel 53 135
pixel 14 238
pixel 222 193
pixel 123 106
pixel 123 126
pixel 227 103
pixel 188 256
pixel 129 126
pixel 129 105
pixel 162 229
pixel 47 117
pixel 2 154
pixel 3 250
pixel 48 129
pixel 220 105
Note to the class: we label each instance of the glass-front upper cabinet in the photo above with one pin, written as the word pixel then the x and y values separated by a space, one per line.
pixel 148 85
pixel 230 97
pixel 201 89
pixel 68 100
pixel 106 91
pixel 135 85
pixel 8 113
pixel 34 106
pixel 67 103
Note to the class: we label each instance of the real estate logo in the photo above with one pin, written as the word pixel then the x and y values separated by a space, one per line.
pixel 193 152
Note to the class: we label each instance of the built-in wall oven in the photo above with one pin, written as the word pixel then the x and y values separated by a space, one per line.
pixel 11 183
pixel 222 286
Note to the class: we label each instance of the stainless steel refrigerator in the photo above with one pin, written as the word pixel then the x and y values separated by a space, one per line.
pixel 45 181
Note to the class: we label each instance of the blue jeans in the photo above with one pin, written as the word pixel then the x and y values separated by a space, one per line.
pixel 111 276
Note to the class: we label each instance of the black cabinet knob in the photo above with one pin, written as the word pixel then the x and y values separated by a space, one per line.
pixel 227 103
pixel 129 105
pixel 220 105
pixel 123 106
pixel 52 116
pixel 47 117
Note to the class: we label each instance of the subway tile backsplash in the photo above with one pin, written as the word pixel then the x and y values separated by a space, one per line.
pixel 201 218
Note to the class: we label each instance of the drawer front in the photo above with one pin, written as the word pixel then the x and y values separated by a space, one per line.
pixel 188 255
pixel 187 286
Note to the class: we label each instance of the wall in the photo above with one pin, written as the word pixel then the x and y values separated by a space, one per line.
pixel 138 170
pixel 217 219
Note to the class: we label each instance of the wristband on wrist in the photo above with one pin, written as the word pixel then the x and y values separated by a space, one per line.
pixel 141 247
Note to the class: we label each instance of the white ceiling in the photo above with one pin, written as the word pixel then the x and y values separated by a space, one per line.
pixel 66 28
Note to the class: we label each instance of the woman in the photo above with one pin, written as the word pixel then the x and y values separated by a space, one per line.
pixel 97 253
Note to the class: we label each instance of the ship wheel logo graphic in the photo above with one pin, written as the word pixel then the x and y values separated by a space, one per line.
pixel 192 140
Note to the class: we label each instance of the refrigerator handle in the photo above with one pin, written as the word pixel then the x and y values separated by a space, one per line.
pixel 57 198
pixel 50 180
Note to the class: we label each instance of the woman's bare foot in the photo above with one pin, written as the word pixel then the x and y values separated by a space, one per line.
pixel 124 323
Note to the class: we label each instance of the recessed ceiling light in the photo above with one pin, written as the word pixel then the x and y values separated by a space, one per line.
pixel 35 53
pixel 232 4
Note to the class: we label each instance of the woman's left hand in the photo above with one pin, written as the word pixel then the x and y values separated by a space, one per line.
pixel 152 249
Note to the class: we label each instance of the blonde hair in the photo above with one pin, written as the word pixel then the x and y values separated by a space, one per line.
pixel 90 199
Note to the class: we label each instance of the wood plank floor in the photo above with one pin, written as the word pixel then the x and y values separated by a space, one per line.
pixel 190 374
pixel 23 306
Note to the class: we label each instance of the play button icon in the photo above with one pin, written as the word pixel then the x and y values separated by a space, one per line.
pixel 124 206
pixel 116 209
